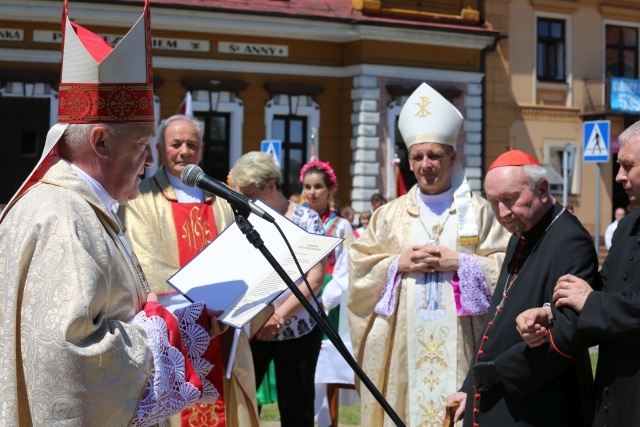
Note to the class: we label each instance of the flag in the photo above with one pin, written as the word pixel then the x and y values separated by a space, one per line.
pixel 401 187
pixel 186 107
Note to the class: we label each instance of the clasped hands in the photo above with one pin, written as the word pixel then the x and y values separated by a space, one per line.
pixel 428 259
pixel 270 329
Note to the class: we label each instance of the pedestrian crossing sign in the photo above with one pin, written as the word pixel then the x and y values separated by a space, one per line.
pixel 596 142
pixel 274 148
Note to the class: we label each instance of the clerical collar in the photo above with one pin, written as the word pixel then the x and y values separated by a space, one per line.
pixel 111 204
pixel 185 194
pixel 435 204
pixel 539 229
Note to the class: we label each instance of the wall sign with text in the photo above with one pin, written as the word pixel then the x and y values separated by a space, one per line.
pixel 11 35
pixel 253 49
pixel 161 43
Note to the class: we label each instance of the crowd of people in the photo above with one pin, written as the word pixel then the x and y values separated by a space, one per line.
pixel 459 308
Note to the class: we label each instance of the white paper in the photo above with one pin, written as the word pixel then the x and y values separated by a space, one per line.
pixel 230 274
pixel 232 352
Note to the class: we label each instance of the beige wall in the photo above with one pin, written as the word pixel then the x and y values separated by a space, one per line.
pixel 530 115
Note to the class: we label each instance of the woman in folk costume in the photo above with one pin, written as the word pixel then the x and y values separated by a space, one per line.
pixel 422 274
pixel 319 183
pixel 83 341
pixel 290 338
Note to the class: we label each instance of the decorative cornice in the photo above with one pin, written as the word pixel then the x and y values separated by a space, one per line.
pixel 233 86
pixel 620 12
pixel 293 89
pixel 209 22
pixel 550 113
pixel 558 6
pixel 179 63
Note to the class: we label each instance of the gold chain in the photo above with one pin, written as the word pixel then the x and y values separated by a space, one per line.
pixel 437 229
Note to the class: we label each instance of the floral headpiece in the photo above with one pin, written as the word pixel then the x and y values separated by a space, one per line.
pixel 323 166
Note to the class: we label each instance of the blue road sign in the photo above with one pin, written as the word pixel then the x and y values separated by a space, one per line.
pixel 596 142
pixel 274 148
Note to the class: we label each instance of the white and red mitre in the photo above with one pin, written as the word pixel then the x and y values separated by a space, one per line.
pixel 427 116
pixel 99 84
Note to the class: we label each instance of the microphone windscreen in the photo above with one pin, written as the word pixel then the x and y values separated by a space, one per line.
pixel 190 175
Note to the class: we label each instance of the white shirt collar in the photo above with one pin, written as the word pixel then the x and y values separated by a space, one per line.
pixel 185 194
pixel 435 204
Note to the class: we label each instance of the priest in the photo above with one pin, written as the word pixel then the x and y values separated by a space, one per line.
pixel 422 274
pixel 169 224
pixel 83 341
pixel 609 315
pixel 510 383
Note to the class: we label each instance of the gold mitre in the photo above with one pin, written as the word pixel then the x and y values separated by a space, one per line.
pixel 428 117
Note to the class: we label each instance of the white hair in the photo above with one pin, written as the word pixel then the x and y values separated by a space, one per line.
pixel 255 168
pixel 534 174
pixel 628 133
pixel 77 134
pixel 166 122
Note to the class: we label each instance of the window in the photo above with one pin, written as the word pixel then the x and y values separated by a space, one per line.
pixel 291 131
pixel 223 114
pixel 295 121
pixel 27 111
pixel 551 50
pixel 622 51
pixel 215 161
pixel 554 152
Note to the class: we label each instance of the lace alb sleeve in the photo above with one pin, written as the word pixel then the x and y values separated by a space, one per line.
pixel 196 340
pixel 167 390
pixel 475 295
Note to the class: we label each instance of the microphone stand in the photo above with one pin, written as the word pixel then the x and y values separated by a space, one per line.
pixel 254 238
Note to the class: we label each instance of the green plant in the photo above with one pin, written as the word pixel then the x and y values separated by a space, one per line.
pixel 347 416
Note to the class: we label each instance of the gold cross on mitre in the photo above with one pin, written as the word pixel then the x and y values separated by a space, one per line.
pixel 422 105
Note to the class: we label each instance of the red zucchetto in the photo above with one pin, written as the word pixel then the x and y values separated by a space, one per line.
pixel 514 158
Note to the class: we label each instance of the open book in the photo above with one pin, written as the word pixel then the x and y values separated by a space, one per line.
pixel 230 274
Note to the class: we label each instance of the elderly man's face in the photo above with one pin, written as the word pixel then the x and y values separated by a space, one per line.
pixel 516 206
pixel 432 166
pixel 130 154
pixel 629 173
pixel 182 147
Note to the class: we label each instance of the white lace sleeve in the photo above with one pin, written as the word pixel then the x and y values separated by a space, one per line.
pixel 196 340
pixel 167 392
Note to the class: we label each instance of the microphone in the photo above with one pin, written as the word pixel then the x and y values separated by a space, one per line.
pixel 193 176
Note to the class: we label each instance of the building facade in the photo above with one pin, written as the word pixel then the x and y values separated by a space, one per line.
pixel 325 78
pixel 564 63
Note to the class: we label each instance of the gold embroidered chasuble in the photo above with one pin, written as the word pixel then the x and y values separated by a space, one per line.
pixel 150 227
pixel 149 222
pixel 381 344
pixel 68 288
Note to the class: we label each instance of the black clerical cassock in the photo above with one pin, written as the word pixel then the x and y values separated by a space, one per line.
pixel 547 385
